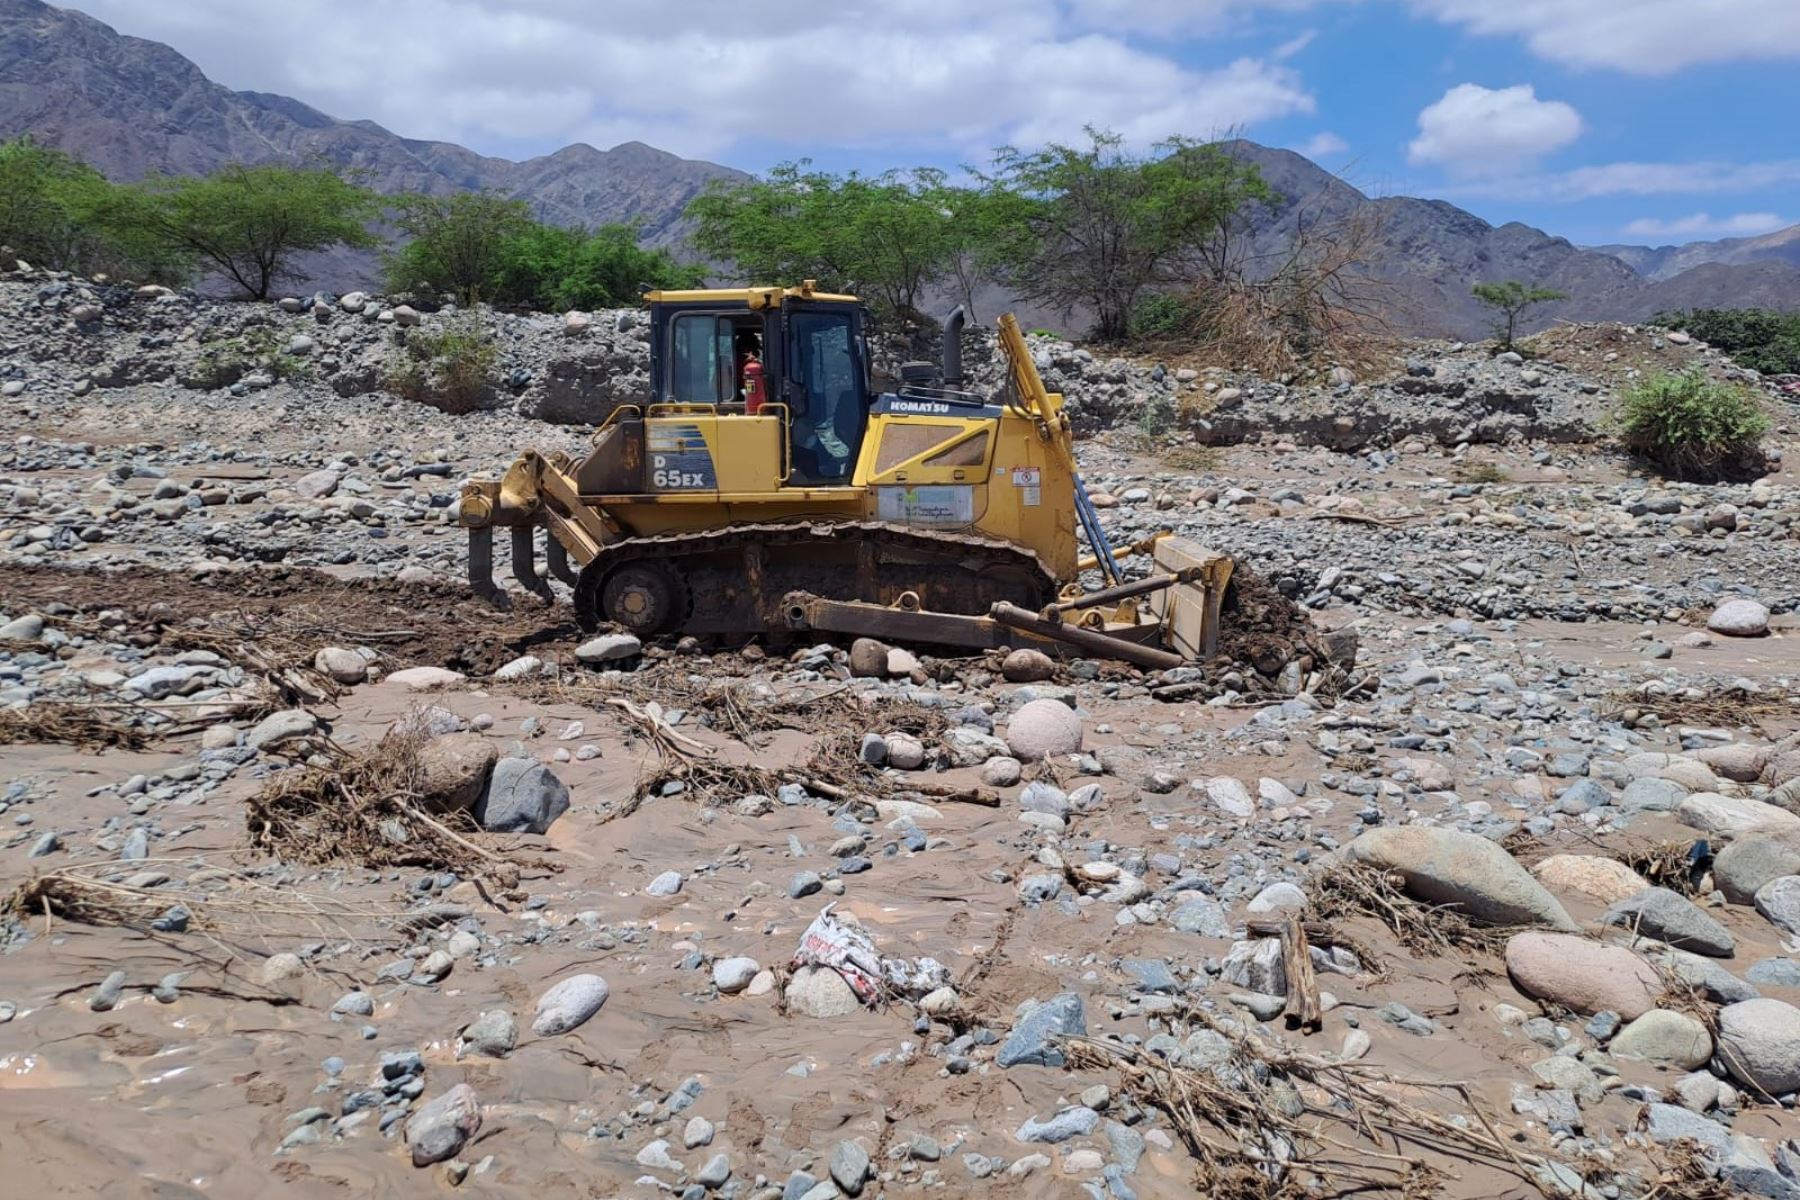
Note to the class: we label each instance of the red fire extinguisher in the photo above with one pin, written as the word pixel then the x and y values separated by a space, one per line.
pixel 753 385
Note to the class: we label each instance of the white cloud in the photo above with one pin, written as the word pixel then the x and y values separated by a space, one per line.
pixel 528 75
pixel 1703 225
pixel 1171 16
pixel 1646 37
pixel 1638 179
pixel 1322 145
pixel 1294 45
pixel 1476 131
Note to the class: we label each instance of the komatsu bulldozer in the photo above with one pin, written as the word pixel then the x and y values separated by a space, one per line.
pixel 765 488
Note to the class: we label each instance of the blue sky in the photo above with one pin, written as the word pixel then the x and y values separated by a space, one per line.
pixel 1649 121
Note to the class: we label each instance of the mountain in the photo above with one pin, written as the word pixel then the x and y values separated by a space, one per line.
pixel 131 107
pixel 1666 262
pixel 1426 255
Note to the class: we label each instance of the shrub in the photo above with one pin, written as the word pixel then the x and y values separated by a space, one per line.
pixel 1164 317
pixel 225 362
pixel 1689 424
pixel 451 369
pixel 1754 337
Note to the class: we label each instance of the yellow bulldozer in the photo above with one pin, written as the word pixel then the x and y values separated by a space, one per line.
pixel 765 488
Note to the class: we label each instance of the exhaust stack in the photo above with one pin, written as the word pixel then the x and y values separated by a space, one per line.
pixel 953 326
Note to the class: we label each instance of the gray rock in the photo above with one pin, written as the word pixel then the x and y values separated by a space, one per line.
pixel 1739 618
pixel 1202 916
pixel 820 992
pixel 1759 1043
pixel 666 884
pixel 1043 729
pixel 1277 896
pixel 1446 866
pixel 1753 859
pixel 1775 972
pixel 713 1175
pixel 441 1128
pixel 280 728
pixel 1069 1123
pixel 804 883
pixel 1664 1036
pixel 568 1004
pixel 1256 965
pixel 1650 794
pixel 522 796
pixel 354 1004
pixel 849 1167
pixel 1779 901
pixel 1707 975
pixel 454 770
pixel 493 1033
pixel 733 975
pixel 1034 1040
pixel 341 665
pixel 1671 917
pixel 106 996
pixel 27 628
pixel 1666 1123
pixel 699 1132
pixel 609 648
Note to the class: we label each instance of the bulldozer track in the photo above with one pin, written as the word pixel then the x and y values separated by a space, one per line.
pixel 957 571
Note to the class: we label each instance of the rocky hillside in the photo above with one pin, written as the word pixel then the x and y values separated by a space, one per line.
pixel 1666 262
pixel 1427 253
pixel 132 106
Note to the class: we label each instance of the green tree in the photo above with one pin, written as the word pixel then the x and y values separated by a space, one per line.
pixel 1098 225
pixel 250 222
pixel 458 243
pixel 1510 300
pixel 885 237
pixel 551 268
pixel 58 212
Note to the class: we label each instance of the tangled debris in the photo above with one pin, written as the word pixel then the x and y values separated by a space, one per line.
pixel 365 807
pixel 1354 889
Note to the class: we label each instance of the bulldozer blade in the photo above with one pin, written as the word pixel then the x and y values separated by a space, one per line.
pixel 481 566
pixel 524 563
pixel 558 558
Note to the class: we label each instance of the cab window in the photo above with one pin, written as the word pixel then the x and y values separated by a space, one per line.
pixel 702 357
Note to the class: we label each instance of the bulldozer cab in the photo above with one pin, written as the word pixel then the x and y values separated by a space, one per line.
pixel 813 352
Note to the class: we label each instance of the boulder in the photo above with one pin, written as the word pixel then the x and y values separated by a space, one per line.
pixel 494 1034
pixel 1446 866
pixel 1737 761
pixel 522 796
pixel 1584 976
pixel 280 728
pixel 341 665
pixel 1759 1044
pixel 1027 666
pixel 453 771
pixel 868 659
pixel 733 975
pixel 609 648
pixel 1036 1039
pixel 441 1128
pixel 1671 917
pixel 1731 815
pixel 1779 901
pixel 425 679
pixel 316 485
pixel 1753 858
pixel 568 1004
pixel 819 992
pixel 1043 729
pixel 1666 1037
pixel 1601 880
pixel 1739 618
